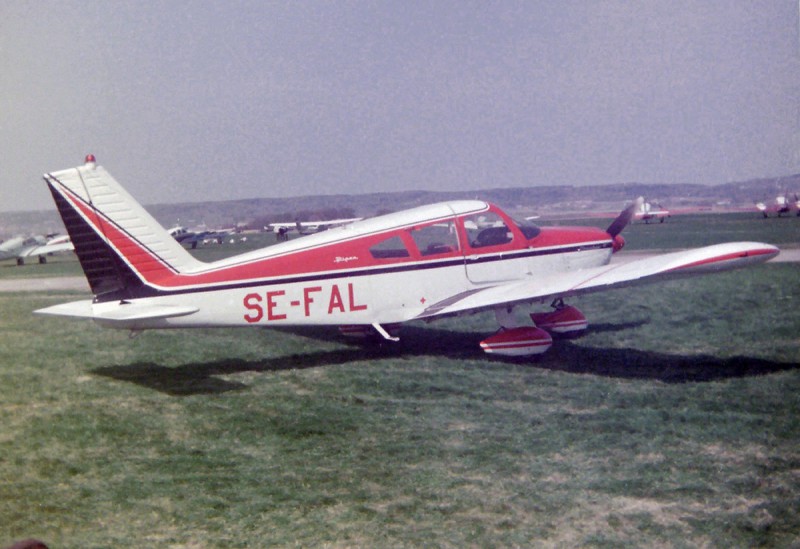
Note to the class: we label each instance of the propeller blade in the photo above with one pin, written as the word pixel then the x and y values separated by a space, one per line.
pixel 624 218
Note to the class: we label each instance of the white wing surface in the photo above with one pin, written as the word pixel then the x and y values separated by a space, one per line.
pixel 720 257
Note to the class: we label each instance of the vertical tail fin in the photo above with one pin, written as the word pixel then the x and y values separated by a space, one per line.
pixel 121 248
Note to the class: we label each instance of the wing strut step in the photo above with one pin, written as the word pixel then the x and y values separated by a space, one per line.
pixel 380 329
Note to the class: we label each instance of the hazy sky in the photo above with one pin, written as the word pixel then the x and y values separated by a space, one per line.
pixel 186 101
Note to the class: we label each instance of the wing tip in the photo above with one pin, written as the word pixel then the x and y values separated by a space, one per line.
pixel 732 256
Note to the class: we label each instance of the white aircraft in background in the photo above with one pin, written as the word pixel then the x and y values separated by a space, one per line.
pixel 647 212
pixel 369 276
pixel 194 237
pixel 307 227
pixel 22 247
pixel 782 205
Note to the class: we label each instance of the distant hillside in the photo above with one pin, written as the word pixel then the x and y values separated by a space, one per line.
pixel 546 201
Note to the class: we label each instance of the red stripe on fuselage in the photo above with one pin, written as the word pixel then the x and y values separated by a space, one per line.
pixel 565 236
pixel 348 257
pixel 144 262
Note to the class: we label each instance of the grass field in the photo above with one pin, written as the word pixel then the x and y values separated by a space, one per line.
pixel 672 422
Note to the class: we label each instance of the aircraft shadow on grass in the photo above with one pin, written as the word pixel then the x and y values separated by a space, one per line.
pixel 564 356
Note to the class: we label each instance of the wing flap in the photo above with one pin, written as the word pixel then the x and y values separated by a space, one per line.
pixel 720 257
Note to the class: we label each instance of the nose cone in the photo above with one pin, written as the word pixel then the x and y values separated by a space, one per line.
pixel 618 243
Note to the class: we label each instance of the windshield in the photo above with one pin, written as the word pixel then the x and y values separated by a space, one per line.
pixel 528 229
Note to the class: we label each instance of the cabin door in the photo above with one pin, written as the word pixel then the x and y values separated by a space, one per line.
pixel 487 250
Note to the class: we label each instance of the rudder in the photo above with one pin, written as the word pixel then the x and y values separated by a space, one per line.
pixel 120 246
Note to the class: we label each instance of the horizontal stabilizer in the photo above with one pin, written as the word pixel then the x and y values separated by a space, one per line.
pixel 75 309
pixel 720 257
pixel 117 315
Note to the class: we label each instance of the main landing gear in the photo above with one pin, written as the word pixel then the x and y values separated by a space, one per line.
pixel 564 320
pixel 21 260
pixel 513 340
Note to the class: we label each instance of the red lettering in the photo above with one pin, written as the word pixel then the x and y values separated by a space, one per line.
pixel 352 303
pixel 336 300
pixel 271 304
pixel 307 299
pixel 251 303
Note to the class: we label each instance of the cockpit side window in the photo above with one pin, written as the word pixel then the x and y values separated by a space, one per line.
pixel 528 229
pixel 391 248
pixel 487 229
pixel 436 238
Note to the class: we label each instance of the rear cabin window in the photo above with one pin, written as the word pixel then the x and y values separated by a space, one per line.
pixel 391 248
pixel 436 238
pixel 487 229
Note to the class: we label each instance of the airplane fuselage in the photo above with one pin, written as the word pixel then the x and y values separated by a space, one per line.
pixel 369 276
pixel 379 270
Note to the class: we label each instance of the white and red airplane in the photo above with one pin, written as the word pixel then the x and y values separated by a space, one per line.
pixel 425 263
pixel 648 212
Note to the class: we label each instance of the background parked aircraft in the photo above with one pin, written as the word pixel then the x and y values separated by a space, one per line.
pixel 309 227
pixel 781 205
pixel 648 212
pixel 282 229
pixel 22 247
pixel 192 238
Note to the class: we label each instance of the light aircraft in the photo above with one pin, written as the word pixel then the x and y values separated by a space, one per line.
pixel 22 247
pixel 648 212
pixel 193 237
pixel 307 227
pixel 782 205
pixel 369 276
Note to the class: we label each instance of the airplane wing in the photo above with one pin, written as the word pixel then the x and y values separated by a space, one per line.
pixel 709 259
pixel 275 226
pixel 332 222
pixel 312 225
pixel 45 249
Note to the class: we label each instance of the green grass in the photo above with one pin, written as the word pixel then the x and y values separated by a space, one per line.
pixel 63 265
pixel 674 421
